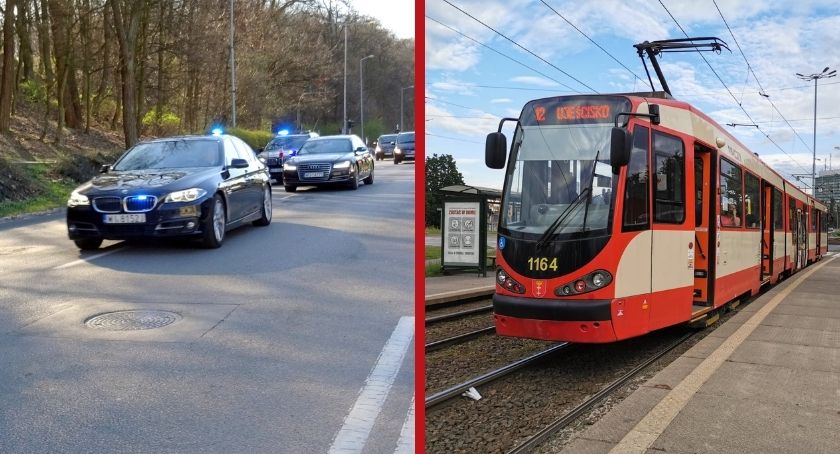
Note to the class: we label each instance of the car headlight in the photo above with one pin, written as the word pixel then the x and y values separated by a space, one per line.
pixel 77 199
pixel 377 148
pixel 342 165
pixel 187 195
pixel 397 150
pixel 289 166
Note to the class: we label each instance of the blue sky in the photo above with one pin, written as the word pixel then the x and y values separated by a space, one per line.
pixel 469 88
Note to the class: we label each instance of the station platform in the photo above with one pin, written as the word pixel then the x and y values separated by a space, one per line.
pixel 767 380
pixel 443 289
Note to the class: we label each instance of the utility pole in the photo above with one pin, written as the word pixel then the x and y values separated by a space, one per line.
pixel 815 77
pixel 344 116
pixel 232 71
pixel 362 96
pixel 402 125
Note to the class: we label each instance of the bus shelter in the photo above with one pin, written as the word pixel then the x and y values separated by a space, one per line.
pixel 469 216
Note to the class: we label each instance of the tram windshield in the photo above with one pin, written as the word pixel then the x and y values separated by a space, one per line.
pixel 551 179
pixel 555 185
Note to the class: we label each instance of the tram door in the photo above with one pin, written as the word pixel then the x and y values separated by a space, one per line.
pixel 767 232
pixel 704 222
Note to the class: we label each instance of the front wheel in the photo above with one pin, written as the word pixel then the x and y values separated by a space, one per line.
pixel 88 244
pixel 290 188
pixel 369 179
pixel 265 219
pixel 214 227
pixel 396 160
pixel 354 183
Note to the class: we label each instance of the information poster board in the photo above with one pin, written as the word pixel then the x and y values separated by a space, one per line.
pixel 461 233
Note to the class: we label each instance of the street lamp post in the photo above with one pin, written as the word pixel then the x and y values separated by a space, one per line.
pixel 815 77
pixel 362 96
pixel 401 105
pixel 232 71
pixel 344 117
pixel 298 108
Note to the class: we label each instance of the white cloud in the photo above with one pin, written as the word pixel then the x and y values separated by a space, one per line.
pixel 535 80
pixel 474 128
pixel 500 100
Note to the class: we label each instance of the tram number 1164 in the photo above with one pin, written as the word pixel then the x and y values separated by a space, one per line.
pixel 542 264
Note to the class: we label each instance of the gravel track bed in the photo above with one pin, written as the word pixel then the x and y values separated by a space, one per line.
pixel 453 365
pixel 442 330
pixel 434 312
pixel 522 403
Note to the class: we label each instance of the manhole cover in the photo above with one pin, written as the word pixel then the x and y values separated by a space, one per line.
pixel 132 320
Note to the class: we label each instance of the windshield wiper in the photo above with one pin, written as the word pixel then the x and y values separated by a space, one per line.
pixel 589 195
pixel 562 217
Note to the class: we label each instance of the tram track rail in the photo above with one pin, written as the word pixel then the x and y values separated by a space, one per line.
pixel 455 340
pixel 456 315
pixel 456 390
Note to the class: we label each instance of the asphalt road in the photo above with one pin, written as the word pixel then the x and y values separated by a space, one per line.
pixel 281 329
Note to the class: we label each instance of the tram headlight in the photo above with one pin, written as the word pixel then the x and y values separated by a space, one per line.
pixel 501 276
pixel 580 286
pixel 593 281
pixel 598 280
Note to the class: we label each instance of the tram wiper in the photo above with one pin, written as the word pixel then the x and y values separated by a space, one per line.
pixel 589 195
pixel 562 217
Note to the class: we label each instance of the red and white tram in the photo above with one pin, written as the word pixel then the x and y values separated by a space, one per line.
pixel 623 214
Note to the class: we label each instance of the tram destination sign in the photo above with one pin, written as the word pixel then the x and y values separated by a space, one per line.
pixel 573 110
pixel 460 233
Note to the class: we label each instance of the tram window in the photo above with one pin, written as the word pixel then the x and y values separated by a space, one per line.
pixel 778 218
pixel 698 190
pixel 813 213
pixel 752 201
pixel 636 187
pixel 792 218
pixel 669 193
pixel 731 200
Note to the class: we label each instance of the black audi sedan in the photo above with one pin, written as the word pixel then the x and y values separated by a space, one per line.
pixel 329 160
pixel 191 186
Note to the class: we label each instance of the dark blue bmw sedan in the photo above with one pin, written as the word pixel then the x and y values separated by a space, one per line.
pixel 192 186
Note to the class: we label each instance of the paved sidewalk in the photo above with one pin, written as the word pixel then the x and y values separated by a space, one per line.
pixel 443 289
pixel 767 380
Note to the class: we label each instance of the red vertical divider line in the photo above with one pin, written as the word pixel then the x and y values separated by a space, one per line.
pixel 419 227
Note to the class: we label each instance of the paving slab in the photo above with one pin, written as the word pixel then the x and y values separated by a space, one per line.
pixel 443 289
pixel 722 424
pixel 776 385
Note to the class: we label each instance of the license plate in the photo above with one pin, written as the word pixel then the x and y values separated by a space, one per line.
pixel 313 175
pixel 124 218
pixel 275 169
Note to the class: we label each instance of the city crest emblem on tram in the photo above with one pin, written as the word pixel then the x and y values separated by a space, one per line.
pixel 539 288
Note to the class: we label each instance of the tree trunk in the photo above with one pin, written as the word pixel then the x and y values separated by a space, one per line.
pixel 7 79
pixel 126 28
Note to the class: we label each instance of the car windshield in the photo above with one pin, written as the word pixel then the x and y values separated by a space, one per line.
pixel 406 138
pixel 286 143
pixel 171 154
pixel 326 146
pixel 383 140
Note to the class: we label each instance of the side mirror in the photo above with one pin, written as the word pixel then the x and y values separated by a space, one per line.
pixel 238 163
pixel 260 149
pixel 495 150
pixel 620 144
pixel 105 168
pixel 360 150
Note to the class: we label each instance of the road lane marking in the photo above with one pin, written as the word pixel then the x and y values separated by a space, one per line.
pixel 645 433
pixel 405 445
pixel 359 422
pixel 87 259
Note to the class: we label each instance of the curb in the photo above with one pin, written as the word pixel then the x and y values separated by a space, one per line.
pixel 446 297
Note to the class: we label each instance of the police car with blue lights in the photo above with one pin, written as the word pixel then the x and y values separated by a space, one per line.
pixel 187 186
pixel 282 147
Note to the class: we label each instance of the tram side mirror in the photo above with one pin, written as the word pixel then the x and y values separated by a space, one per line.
pixel 620 149
pixel 495 150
